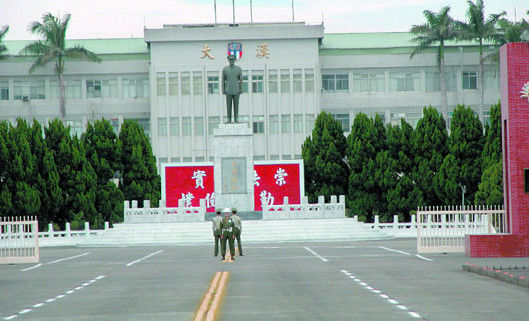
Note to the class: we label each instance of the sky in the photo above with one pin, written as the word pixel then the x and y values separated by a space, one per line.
pixel 127 18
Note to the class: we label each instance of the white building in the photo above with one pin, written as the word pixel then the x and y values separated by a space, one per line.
pixel 170 82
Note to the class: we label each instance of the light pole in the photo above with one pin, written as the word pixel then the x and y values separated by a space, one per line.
pixel 463 190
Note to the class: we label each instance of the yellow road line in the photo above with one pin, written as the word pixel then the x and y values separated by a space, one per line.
pixel 212 313
pixel 213 297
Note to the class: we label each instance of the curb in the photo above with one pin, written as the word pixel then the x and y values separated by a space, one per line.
pixel 501 275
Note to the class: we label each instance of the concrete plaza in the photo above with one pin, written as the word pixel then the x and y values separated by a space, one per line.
pixel 371 280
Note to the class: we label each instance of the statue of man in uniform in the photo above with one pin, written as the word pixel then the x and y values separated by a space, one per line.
pixel 232 87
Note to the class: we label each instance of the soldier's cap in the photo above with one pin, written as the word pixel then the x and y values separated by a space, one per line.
pixel 234 210
pixel 218 211
pixel 227 210
pixel 231 57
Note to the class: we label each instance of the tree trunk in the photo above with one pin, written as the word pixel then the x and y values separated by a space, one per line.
pixel 481 82
pixel 62 102
pixel 443 88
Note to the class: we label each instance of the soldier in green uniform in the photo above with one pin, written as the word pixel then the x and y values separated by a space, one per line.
pixel 217 231
pixel 226 235
pixel 237 229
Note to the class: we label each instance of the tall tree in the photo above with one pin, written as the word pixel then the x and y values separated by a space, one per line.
pixel 492 149
pixel 438 29
pixel 480 28
pixel 3 48
pixel 430 146
pixel 323 156
pixel 140 178
pixel 52 47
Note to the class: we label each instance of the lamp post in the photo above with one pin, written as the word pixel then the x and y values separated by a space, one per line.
pixel 463 190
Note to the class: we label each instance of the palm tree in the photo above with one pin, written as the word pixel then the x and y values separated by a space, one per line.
pixel 438 29
pixel 52 47
pixel 3 49
pixel 479 29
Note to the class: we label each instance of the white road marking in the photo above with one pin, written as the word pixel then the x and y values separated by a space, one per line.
pixel 92 281
pixel 145 257
pixel 50 300
pixel 60 296
pixel 70 292
pixel 316 254
pixel 422 257
pixel 402 307
pixel 393 301
pixel 344 271
pixel 10 317
pixel 363 283
pixel 31 268
pixel 375 291
pixel 78 288
pixel 368 287
pixel 69 258
pixel 393 250
pixel 384 296
pixel 25 311
pixel 86 284
pixel 100 277
pixel 415 314
pixel 38 305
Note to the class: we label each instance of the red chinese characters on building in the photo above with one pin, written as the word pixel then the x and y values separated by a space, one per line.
pixel 190 183
pixel 275 181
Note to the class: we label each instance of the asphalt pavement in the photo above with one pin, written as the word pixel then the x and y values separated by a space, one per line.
pixel 372 280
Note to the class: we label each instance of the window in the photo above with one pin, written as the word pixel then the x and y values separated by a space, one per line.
pixel 76 127
pixel 145 124
pixel 213 123
pixel 200 159
pixel 199 126
pixel 188 159
pixel 184 83
pixel 367 82
pixel 186 126
pixel 285 80
pixel 526 179
pixel 198 83
pixel 4 90
pixel 114 122
pixel 335 82
pixel 257 82
pixel 72 90
pixel 109 88
pixel 33 89
pixel 136 88
pixel 173 84
pixel 272 81
pixel 274 157
pixel 174 127
pixel 287 156
pixel 162 160
pixel 309 80
pixel 93 88
pixel 175 159
pixel 470 80
pixel 245 81
pixel 296 80
pixel 298 123
pixel 433 81
pixel 273 122
pixel 491 79
pixel 298 156
pixel 309 122
pixel 404 81
pixel 162 126
pixel 258 157
pixel 258 124
pixel 213 83
pixel 285 124
pixel 344 120
pixel 160 84
pixel 244 120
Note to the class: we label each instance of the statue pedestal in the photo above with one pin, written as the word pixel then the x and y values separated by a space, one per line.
pixel 233 166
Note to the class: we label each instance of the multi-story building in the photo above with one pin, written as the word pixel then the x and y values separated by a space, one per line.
pixel 169 81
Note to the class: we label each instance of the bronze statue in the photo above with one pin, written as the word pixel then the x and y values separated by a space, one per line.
pixel 232 87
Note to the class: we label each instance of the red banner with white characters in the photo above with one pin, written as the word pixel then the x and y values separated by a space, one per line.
pixel 274 181
pixel 190 183
pixel 194 182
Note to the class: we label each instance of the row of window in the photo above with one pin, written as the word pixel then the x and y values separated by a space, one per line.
pixel 405 81
pixel 288 124
pixel 188 159
pixel 36 89
pixel 281 80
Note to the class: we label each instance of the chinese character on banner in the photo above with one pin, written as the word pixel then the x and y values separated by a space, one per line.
pixel 266 198
pixel 256 178
pixel 198 176
pixel 280 176
pixel 210 200
pixel 188 198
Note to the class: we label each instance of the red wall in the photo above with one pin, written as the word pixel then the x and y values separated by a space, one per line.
pixel 514 73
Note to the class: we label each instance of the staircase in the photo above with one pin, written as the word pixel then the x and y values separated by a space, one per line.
pixel 253 231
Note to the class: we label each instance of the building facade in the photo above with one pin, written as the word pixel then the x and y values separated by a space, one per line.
pixel 169 82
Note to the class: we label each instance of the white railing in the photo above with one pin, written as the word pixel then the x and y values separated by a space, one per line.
pixel 133 214
pixel 19 241
pixel 334 209
pixel 443 229
pixel 397 229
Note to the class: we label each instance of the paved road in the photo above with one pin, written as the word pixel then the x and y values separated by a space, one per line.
pixel 376 280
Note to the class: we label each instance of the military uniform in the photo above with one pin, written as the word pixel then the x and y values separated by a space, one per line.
pixel 227 235
pixel 217 232
pixel 237 229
